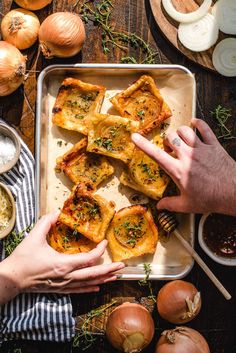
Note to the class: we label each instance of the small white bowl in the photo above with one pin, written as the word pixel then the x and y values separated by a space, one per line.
pixel 12 220
pixel 217 258
pixel 9 132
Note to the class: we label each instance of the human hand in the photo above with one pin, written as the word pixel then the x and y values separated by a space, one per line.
pixel 35 267
pixel 202 170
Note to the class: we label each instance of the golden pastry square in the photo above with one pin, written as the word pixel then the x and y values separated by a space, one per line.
pixel 75 103
pixel 132 233
pixel 145 175
pixel 64 240
pixel 111 135
pixel 84 167
pixel 87 213
pixel 142 101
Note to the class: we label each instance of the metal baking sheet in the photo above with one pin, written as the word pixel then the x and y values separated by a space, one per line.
pixel 177 85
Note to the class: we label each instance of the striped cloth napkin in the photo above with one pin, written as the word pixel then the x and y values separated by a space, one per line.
pixel 32 316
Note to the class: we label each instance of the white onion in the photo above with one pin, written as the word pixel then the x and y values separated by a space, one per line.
pixel 61 34
pixel 225 14
pixel 12 68
pixel 20 27
pixel 224 57
pixel 199 35
pixel 33 4
pixel 186 17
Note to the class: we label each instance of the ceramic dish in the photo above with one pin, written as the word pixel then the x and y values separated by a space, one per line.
pixel 217 258
pixel 9 132
pixel 9 228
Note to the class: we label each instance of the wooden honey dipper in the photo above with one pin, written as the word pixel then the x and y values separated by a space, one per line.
pixel 169 223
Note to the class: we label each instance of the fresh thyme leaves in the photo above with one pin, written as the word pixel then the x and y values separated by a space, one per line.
pixel 59 143
pixel 104 142
pixel 14 239
pixel 84 338
pixel 93 210
pixel 146 281
pixel 134 231
pixel 100 15
pixel 221 115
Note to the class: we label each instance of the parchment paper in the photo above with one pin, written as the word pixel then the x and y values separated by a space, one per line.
pixel 177 88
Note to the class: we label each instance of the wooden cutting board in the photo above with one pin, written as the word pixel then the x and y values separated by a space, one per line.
pixel 169 28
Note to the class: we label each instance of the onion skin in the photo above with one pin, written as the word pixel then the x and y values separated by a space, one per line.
pixel 20 27
pixel 12 68
pixel 33 4
pixel 182 340
pixel 130 328
pixel 61 34
pixel 172 305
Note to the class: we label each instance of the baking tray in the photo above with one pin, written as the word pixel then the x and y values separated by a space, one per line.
pixel 177 85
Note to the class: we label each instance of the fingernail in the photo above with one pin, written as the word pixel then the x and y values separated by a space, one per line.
pixel 120 265
pixel 136 137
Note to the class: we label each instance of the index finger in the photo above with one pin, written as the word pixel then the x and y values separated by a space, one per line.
pixel 160 156
pixel 88 259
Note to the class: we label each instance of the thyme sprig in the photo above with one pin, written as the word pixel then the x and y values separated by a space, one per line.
pixel 146 281
pixel 221 115
pixel 14 239
pixel 100 15
pixel 84 338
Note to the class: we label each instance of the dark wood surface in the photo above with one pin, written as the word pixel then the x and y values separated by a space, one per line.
pixel 217 320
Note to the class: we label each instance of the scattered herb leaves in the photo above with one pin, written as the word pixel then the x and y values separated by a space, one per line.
pixel 146 281
pixel 14 239
pixel 100 15
pixel 221 115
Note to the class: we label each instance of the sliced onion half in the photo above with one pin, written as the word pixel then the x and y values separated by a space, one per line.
pixel 224 57
pixel 186 17
pixel 199 35
pixel 225 14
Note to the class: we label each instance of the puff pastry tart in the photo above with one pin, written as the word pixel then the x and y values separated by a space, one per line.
pixel 76 102
pixel 142 102
pixel 63 239
pixel 84 167
pixel 132 233
pixel 87 213
pixel 110 135
pixel 145 175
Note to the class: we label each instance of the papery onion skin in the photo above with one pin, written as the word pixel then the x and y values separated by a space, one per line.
pixel 130 328
pixel 12 68
pixel 182 340
pixel 33 4
pixel 20 27
pixel 61 34
pixel 173 300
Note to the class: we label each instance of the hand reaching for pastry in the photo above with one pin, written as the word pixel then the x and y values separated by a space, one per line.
pixel 202 170
pixel 35 267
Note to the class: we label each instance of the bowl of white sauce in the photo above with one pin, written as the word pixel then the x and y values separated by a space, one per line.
pixel 9 148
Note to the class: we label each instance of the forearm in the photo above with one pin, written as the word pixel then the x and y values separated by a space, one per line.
pixel 9 287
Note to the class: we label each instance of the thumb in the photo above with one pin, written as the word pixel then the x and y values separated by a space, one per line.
pixel 173 204
pixel 43 225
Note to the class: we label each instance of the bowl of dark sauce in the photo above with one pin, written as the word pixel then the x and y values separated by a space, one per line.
pixel 217 237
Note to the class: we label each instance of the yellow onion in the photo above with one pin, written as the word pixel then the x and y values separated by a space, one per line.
pixel 12 68
pixel 33 4
pixel 61 34
pixel 178 302
pixel 182 340
pixel 130 328
pixel 20 27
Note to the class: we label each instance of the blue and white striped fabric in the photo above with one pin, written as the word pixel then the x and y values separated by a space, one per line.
pixel 32 316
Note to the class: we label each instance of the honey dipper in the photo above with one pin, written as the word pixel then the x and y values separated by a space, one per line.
pixel 169 223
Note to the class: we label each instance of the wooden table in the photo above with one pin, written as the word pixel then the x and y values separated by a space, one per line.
pixel 217 320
